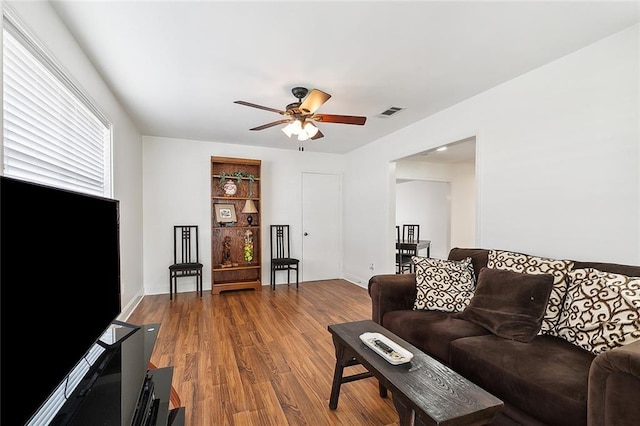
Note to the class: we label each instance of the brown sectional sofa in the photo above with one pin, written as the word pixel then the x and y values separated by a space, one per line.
pixel 546 381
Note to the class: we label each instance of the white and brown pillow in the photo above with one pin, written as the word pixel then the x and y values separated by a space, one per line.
pixel 601 310
pixel 524 263
pixel 443 285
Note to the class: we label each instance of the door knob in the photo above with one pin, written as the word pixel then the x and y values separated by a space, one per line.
pixel 305 234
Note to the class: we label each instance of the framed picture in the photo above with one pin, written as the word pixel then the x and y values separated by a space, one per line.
pixel 225 213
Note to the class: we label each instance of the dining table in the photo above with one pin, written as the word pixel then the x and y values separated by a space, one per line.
pixel 414 246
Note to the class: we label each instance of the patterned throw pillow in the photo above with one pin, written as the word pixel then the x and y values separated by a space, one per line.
pixel 443 285
pixel 524 263
pixel 601 310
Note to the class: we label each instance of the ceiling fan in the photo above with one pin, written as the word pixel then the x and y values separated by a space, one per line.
pixel 301 115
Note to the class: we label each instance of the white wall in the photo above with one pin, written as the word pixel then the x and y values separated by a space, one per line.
pixel 459 226
pixel 557 163
pixel 426 203
pixel 177 190
pixel 463 205
pixel 41 20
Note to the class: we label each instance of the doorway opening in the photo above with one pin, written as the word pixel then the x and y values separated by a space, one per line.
pixel 437 189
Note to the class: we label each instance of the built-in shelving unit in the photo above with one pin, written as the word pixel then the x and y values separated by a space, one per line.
pixel 236 262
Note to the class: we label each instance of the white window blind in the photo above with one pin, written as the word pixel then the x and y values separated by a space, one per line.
pixel 52 133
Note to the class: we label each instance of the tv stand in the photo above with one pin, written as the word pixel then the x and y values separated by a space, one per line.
pixel 115 384
pixel 161 379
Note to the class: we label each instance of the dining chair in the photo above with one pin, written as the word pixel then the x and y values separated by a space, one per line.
pixel 281 259
pixel 186 258
pixel 404 263
pixel 410 233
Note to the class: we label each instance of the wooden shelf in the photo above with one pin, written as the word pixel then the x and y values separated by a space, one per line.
pixel 225 197
pixel 215 228
pixel 237 268
pixel 234 177
pixel 244 275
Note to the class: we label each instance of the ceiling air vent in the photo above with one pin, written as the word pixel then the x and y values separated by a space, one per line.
pixel 390 111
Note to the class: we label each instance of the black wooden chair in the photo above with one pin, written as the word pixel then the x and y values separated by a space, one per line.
pixel 410 233
pixel 186 257
pixel 281 259
pixel 404 263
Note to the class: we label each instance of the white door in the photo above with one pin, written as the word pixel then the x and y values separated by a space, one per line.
pixel 321 226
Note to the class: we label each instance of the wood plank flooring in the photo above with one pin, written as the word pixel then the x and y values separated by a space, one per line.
pixel 263 357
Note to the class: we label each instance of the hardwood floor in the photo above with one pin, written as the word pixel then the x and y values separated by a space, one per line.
pixel 263 357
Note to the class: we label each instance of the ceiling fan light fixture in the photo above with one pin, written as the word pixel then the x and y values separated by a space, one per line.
pixel 296 127
pixel 310 129
pixel 288 130
pixel 303 136
pixel 300 117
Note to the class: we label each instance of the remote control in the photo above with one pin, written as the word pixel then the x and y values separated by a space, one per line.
pixel 385 348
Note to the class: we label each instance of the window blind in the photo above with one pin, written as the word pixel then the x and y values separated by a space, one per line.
pixel 52 133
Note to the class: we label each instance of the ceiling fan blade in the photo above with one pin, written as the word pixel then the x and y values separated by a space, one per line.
pixel 249 104
pixel 317 135
pixel 343 119
pixel 274 123
pixel 314 101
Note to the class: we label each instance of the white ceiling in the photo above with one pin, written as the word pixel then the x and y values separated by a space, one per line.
pixel 177 66
pixel 462 151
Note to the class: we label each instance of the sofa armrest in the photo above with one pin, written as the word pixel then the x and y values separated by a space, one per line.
pixel 391 292
pixel 614 387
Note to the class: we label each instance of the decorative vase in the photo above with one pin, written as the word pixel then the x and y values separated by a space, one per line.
pixel 230 188
pixel 248 246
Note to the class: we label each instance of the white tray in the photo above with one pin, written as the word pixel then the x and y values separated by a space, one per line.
pixel 399 355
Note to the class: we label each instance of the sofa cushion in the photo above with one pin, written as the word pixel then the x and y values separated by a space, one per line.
pixel 509 304
pixel 479 257
pixel 519 262
pixel 601 310
pixel 430 331
pixel 614 387
pixel 616 268
pixel 443 285
pixel 547 378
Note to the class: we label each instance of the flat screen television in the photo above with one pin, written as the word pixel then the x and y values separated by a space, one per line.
pixel 59 287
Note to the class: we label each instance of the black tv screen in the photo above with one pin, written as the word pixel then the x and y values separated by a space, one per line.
pixel 59 287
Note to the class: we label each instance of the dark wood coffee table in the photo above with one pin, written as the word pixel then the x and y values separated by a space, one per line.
pixel 424 391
